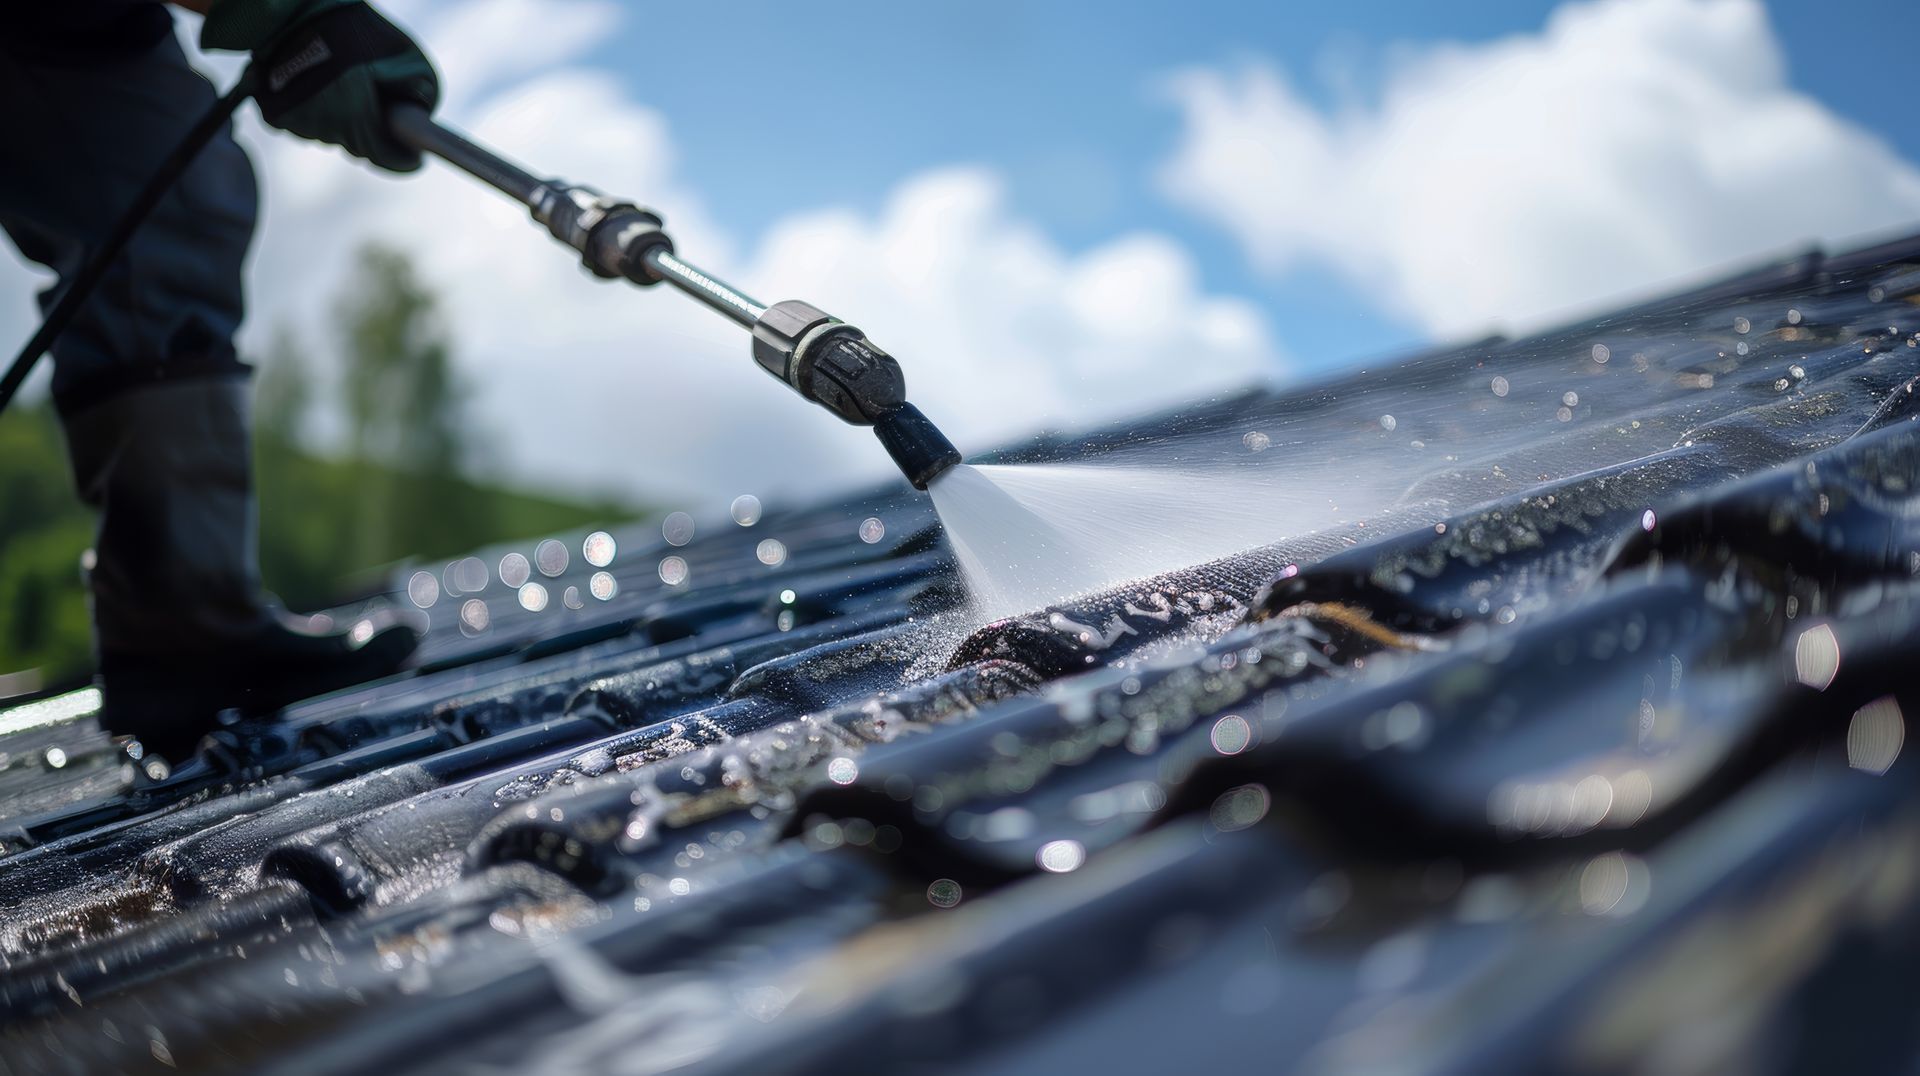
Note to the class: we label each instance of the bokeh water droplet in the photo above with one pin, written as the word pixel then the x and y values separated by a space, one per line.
pixel 468 575
pixel 550 556
pixel 1060 857
pixel 474 616
pixel 677 528
pixel 423 589
pixel 598 549
pixel 515 570
pixel 533 597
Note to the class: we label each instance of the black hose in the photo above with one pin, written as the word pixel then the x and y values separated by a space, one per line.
pixel 101 259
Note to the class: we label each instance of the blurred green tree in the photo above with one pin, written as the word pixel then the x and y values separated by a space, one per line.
pixel 405 413
pixel 43 529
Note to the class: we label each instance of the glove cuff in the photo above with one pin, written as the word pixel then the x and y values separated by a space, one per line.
pixel 319 50
pixel 246 25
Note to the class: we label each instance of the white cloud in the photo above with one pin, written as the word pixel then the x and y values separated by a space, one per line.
pixel 587 384
pixel 998 329
pixel 1627 143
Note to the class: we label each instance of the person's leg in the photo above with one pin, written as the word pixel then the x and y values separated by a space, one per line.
pixel 152 397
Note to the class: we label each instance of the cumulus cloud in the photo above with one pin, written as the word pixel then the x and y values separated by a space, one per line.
pixel 998 329
pixel 588 384
pixel 1627 143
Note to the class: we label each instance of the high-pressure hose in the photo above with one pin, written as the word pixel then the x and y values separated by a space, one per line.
pixel 819 356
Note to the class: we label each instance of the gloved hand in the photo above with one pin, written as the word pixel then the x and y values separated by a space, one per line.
pixel 327 70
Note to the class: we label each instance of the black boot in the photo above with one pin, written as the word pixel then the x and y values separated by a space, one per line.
pixel 182 627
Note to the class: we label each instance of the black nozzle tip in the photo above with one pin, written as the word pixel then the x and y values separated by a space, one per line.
pixel 922 452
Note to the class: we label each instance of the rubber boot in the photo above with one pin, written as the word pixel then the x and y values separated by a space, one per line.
pixel 182 627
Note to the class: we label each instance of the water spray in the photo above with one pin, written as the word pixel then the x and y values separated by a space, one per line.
pixel 816 354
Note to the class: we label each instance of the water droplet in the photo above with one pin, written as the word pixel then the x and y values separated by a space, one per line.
pixel 533 597
pixel 872 530
pixel 423 589
pixel 571 599
pixel 56 757
pixel 603 586
pixel 1613 884
pixel 474 616
pixel 515 570
pixel 771 552
pixel 551 557
pixel 788 597
pixel 842 771
pixel 1793 317
pixel 677 528
pixel 1875 736
pixel 1060 857
pixel 1388 422
pixel 1816 657
pixel 745 510
pixel 468 575
pixel 598 549
pixel 1231 734
pixel 1500 386
pixel 943 893
pixel 1256 441
pixel 1238 808
pixel 1646 520
pixel 1601 353
pixel 673 571
pixel 1741 325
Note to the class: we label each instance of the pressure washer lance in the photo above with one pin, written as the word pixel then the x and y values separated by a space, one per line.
pixel 819 356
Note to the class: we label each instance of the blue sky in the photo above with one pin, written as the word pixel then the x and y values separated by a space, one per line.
pixel 774 111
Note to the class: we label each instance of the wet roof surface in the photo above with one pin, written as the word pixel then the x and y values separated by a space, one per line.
pixel 1582 751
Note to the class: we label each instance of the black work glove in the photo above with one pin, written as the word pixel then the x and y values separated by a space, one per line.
pixel 327 70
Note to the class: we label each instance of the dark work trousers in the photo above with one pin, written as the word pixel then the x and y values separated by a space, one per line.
pixel 80 133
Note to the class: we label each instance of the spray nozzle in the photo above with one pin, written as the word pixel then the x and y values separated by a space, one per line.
pixel 834 364
pixel 922 452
